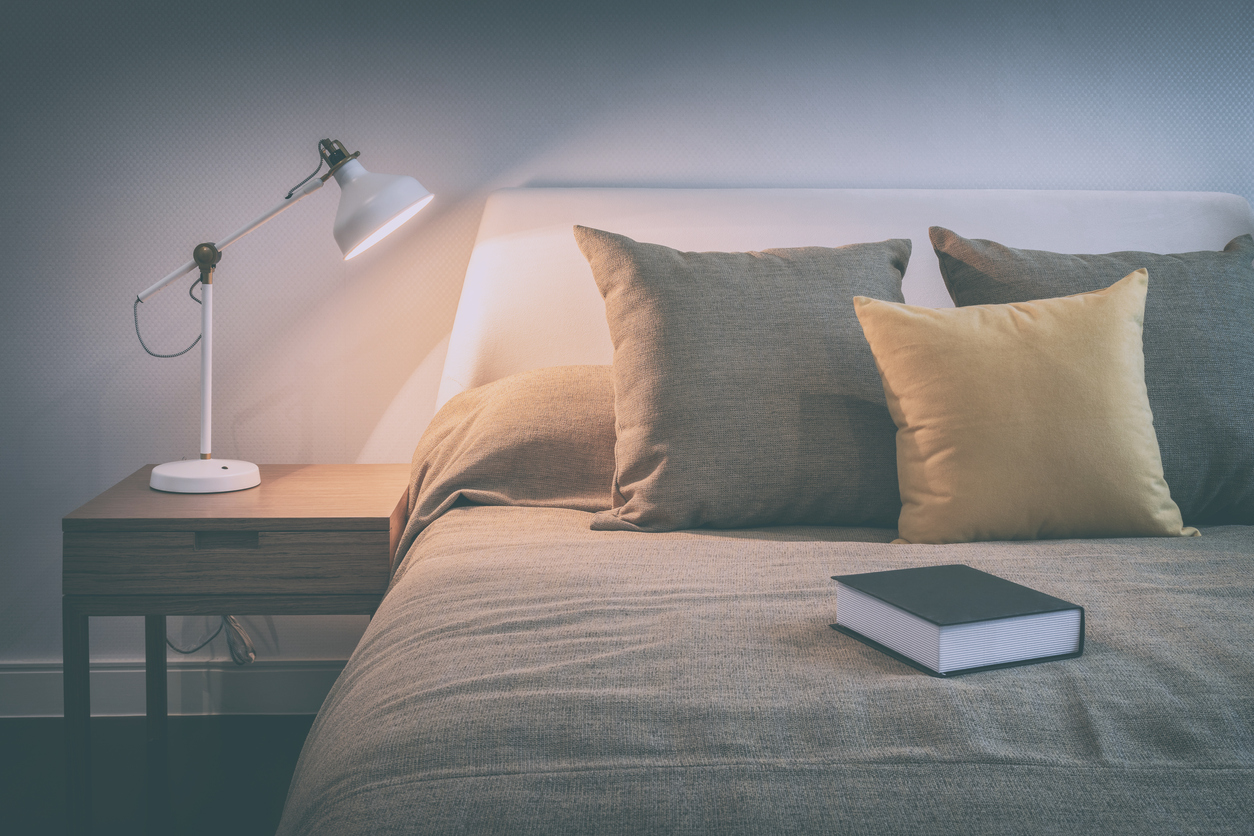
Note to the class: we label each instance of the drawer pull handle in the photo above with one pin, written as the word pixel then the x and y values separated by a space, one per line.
pixel 207 540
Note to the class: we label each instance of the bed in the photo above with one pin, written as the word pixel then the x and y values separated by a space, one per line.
pixel 546 663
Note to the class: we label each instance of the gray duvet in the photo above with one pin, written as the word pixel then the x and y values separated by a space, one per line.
pixel 526 675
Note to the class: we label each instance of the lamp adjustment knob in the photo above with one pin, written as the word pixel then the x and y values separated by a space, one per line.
pixel 206 257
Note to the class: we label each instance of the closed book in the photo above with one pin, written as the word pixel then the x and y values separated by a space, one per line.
pixel 953 619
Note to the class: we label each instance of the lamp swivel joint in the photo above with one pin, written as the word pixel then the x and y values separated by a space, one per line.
pixel 206 257
pixel 334 154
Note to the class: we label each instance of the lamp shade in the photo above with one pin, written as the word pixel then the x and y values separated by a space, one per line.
pixel 372 206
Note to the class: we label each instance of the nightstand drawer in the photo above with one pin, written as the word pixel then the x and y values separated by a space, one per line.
pixel 225 562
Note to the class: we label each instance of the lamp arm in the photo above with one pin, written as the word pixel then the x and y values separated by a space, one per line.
pixel 283 205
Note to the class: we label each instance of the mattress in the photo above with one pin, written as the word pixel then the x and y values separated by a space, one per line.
pixel 528 675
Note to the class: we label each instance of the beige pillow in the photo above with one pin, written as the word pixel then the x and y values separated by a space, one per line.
pixel 1023 421
pixel 540 438
pixel 1199 358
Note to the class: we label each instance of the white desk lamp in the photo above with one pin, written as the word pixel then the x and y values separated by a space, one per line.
pixel 371 207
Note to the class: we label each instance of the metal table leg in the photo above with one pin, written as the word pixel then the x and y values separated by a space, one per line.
pixel 156 707
pixel 77 713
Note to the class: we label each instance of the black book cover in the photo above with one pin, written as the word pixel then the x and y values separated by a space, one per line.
pixel 954 594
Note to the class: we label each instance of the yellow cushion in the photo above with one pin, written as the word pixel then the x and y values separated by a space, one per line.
pixel 1023 421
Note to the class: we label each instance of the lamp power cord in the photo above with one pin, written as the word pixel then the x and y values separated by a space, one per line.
pixel 321 160
pixel 237 639
pixel 177 353
pixel 205 643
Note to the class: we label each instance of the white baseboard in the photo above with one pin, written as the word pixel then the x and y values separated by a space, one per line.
pixel 117 688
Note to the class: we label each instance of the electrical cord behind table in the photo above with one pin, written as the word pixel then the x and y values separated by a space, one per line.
pixel 237 639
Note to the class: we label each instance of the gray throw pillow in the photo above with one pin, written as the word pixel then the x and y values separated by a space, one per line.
pixel 1199 350
pixel 745 393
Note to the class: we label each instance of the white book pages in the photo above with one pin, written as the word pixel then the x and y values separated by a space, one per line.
pixel 960 646
pixel 1009 640
pixel 891 626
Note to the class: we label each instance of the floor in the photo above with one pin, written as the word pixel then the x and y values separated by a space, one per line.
pixel 228 774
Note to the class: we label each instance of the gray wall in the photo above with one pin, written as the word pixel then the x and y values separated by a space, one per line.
pixel 133 131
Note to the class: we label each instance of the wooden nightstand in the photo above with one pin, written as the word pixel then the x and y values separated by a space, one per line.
pixel 310 539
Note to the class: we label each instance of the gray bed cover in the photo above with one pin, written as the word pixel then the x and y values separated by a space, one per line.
pixel 526 675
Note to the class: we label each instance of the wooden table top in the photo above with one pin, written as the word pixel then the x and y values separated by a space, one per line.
pixel 291 497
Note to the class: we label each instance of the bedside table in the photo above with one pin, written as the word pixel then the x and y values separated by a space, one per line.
pixel 310 539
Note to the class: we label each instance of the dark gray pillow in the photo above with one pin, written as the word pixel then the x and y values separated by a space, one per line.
pixel 745 393
pixel 1199 350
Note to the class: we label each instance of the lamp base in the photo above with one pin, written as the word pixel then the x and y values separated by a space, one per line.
pixel 205 476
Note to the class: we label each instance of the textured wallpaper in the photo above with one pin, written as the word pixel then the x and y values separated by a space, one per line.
pixel 135 130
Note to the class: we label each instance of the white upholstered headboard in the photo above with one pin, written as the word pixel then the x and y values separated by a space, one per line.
pixel 529 299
